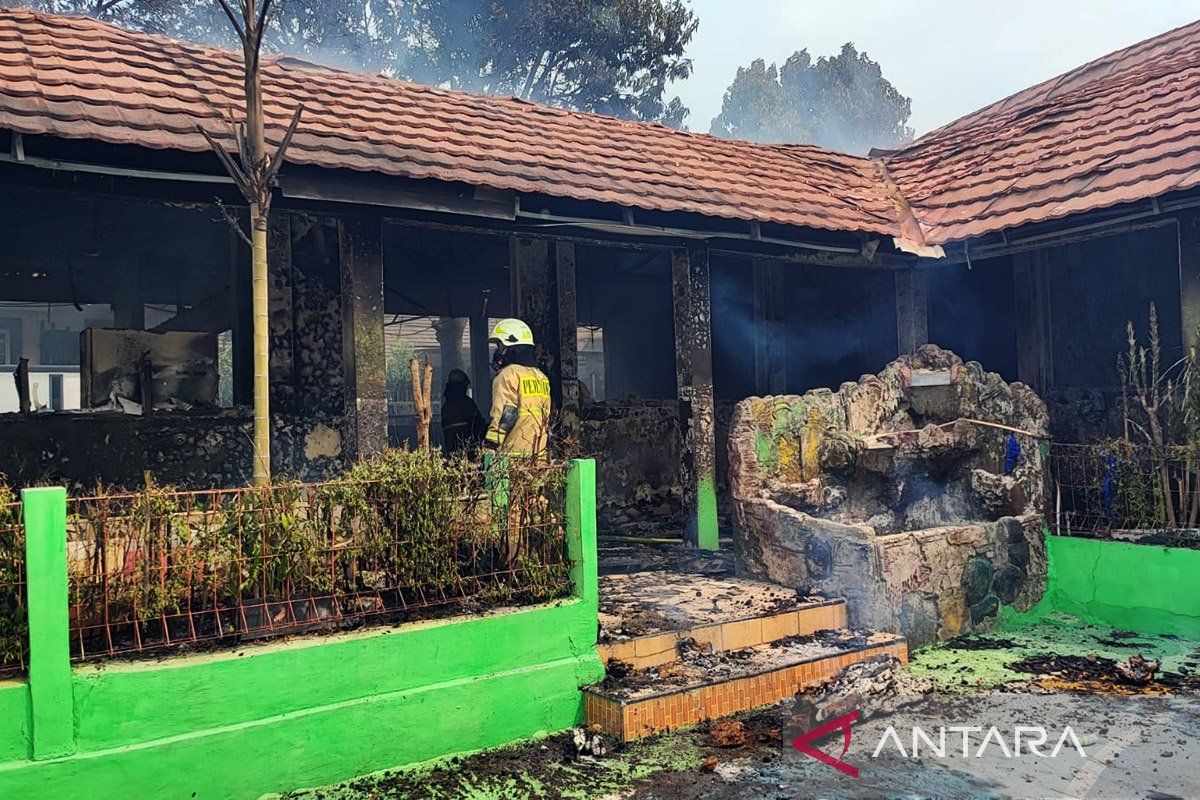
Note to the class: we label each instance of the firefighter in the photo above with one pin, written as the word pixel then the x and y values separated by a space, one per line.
pixel 463 427
pixel 520 418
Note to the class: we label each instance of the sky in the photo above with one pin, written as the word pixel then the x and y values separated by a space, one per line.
pixel 950 56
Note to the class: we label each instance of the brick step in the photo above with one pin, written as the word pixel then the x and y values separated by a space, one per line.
pixel 656 649
pixel 710 684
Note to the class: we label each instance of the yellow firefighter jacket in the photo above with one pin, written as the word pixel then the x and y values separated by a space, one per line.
pixel 520 418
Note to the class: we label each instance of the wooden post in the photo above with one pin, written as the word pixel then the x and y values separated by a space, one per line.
pixel 543 290
pixel 21 376
pixel 770 345
pixel 481 371
pixel 1030 293
pixel 1189 277
pixel 146 384
pixel 566 373
pixel 690 286
pixel 363 348
pixel 912 310
pixel 280 303
pixel 243 321
pixel 422 401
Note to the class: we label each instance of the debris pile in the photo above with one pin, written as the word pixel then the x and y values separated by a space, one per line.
pixel 727 733
pixel 873 687
pixel 1092 673
pixel 589 742
pixel 641 603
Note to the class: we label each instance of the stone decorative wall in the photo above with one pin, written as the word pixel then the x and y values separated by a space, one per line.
pixel 82 451
pixel 894 494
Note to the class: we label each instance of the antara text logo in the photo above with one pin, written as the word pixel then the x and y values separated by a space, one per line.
pixel 943 741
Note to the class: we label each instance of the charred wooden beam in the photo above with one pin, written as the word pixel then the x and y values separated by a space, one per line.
pixel 21 377
pixel 770 340
pixel 481 373
pixel 243 321
pixel 543 290
pixel 364 356
pixel 567 373
pixel 1189 278
pixel 912 310
pixel 281 326
pixel 1031 295
pixel 690 284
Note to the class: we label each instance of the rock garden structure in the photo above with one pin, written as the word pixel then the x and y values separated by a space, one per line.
pixel 915 494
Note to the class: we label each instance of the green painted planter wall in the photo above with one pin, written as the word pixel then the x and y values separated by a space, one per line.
pixel 1137 587
pixel 268 718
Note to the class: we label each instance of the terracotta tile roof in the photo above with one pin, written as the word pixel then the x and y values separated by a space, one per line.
pixel 1124 127
pixel 77 78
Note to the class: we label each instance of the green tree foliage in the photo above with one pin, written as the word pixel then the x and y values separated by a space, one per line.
pixel 842 102
pixel 608 56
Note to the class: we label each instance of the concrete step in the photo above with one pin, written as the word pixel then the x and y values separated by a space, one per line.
pixel 662 647
pixel 706 683
pixel 645 616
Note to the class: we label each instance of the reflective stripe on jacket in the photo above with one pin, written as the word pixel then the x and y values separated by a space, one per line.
pixel 525 393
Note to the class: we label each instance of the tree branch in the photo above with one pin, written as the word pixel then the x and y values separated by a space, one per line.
pixel 235 172
pixel 233 20
pixel 234 222
pixel 261 25
pixel 277 159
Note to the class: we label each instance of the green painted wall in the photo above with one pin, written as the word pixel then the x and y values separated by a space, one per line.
pixel 316 710
pixel 15 723
pixel 1137 587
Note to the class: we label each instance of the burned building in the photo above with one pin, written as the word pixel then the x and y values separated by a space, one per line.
pixel 676 273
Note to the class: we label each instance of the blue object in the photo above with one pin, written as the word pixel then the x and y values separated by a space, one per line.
pixel 1012 454
pixel 1108 487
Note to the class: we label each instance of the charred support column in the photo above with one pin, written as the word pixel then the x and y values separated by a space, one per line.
pixel 694 374
pixel 1031 294
pixel 363 350
pixel 543 290
pixel 567 375
pixel 243 319
pixel 912 310
pixel 279 298
pixel 282 353
pixel 481 373
pixel 1189 277
pixel 770 351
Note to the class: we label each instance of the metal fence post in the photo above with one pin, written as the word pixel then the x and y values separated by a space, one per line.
pixel 45 511
pixel 581 529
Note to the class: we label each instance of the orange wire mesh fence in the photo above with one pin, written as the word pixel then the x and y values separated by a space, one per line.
pixel 14 622
pixel 405 536
pixel 1123 487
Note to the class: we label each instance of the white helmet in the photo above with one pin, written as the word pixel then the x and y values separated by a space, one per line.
pixel 510 332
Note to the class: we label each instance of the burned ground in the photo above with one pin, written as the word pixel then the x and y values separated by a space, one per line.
pixel 1140 738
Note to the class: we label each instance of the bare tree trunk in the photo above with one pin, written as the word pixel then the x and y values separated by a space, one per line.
pixel 422 401
pixel 262 346
pixel 255 178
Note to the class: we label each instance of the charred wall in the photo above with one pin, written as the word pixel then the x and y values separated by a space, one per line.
pixel 110 252
pixel 1079 297
pixel 638 447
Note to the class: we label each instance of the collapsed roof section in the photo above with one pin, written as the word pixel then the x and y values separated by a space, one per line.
pixel 1123 128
